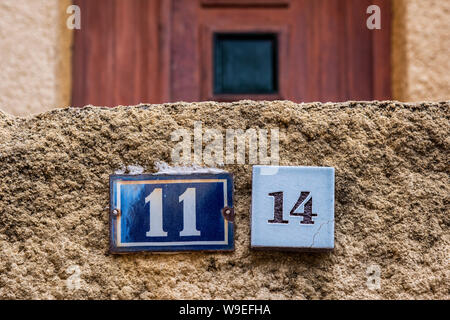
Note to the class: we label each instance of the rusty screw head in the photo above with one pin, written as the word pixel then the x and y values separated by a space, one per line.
pixel 228 213
pixel 115 212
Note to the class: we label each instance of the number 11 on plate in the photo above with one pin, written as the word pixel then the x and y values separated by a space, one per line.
pixel 171 212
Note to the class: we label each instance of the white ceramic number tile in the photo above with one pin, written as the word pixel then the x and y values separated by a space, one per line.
pixel 293 208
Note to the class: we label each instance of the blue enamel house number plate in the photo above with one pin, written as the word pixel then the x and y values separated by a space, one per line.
pixel 171 212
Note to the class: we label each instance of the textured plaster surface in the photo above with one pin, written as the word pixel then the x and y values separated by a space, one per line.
pixel 392 202
pixel 421 50
pixel 35 53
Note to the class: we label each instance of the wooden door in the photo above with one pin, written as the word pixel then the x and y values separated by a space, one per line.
pixel 156 51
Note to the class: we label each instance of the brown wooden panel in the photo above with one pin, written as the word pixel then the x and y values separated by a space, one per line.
pixel 160 50
pixel 245 3
pixel 185 62
pixel 331 54
pixel 382 53
pixel 325 59
pixel 359 51
pixel 117 53
pixel 93 55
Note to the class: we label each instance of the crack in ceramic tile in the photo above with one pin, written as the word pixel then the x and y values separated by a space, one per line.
pixel 318 230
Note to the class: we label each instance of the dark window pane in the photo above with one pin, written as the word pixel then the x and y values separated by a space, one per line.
pixel 245 63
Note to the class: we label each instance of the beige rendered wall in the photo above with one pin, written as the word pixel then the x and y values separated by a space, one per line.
pixel 421 50
pixel 34 55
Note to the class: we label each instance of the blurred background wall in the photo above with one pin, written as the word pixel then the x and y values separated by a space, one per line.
pixel 35 56
pixel 421 50
pixel 36 53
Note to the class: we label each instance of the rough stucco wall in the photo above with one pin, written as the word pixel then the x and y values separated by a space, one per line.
pixel 392 202
pixel 35 56
pixel 421 50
